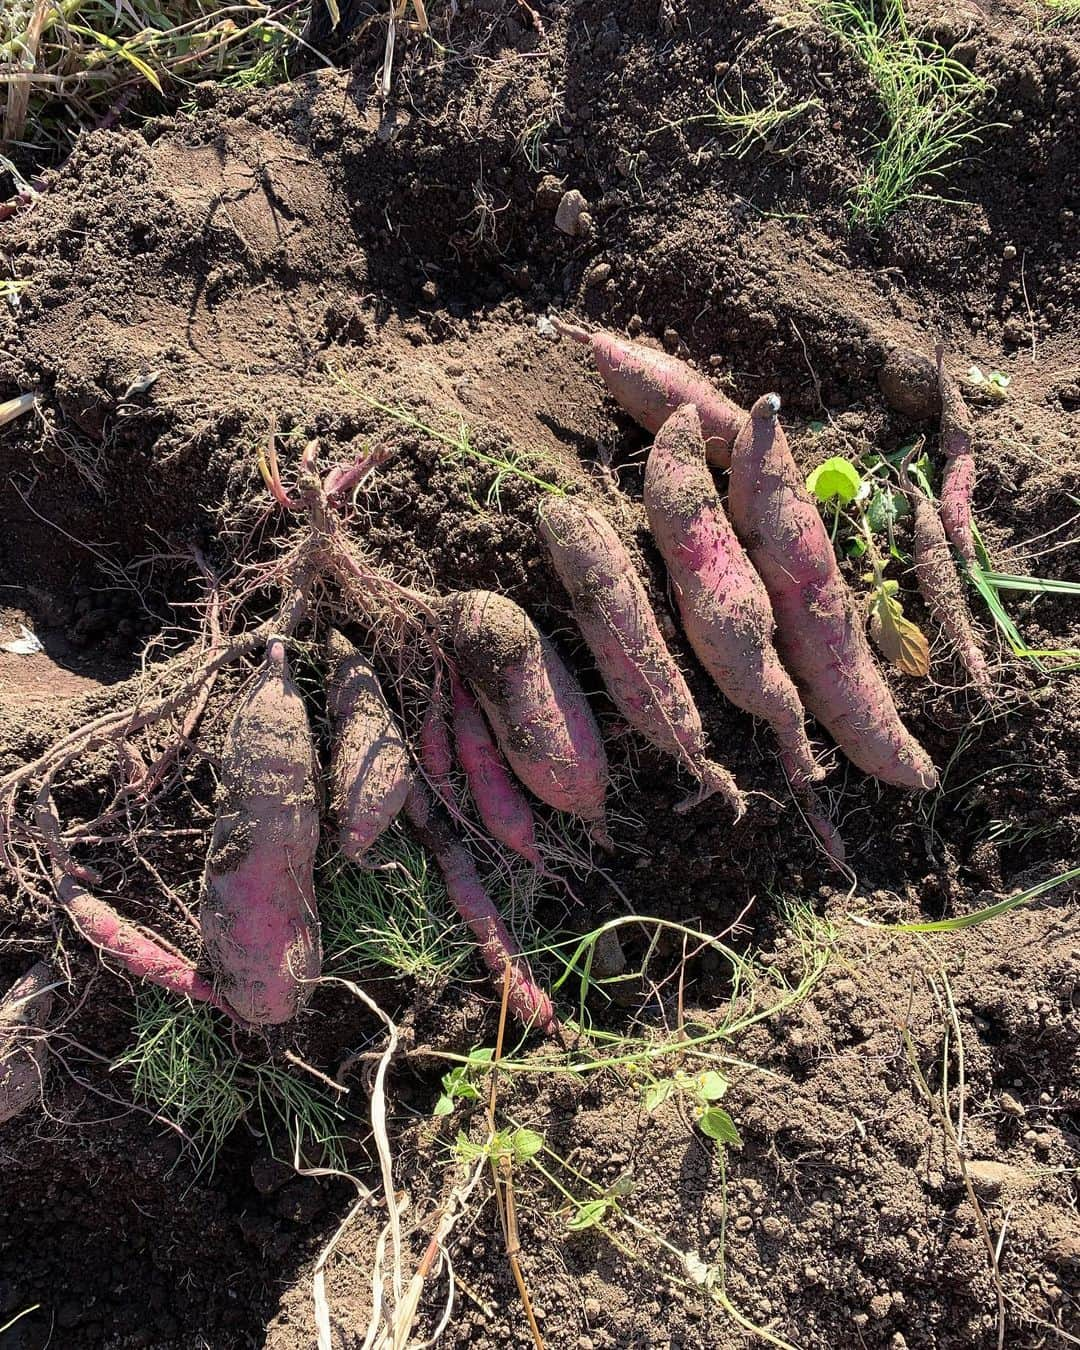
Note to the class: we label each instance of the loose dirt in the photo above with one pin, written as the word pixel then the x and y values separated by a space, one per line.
pixel 285 253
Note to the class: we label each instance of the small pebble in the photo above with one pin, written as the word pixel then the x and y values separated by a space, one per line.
pixel 1009 252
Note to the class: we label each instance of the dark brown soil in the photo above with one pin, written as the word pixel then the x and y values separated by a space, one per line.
pixel 283 253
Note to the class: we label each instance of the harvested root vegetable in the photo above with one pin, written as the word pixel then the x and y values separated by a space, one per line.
pixel 141 954
pixel 820 638
pixel 24 1057
pixel 527 1000
pixel 501 804
pixel 615 618
pixel 258 915
pixel 436 750
pixel 942 589
pixel 723 605
pixel 536 708
pixel 369 768
pixel 958 478
pixel 650 385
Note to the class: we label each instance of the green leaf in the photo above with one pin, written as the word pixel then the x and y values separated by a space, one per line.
pixel 588 1215
pixel 838 478
pixel 122 50
pixel 444 1106
pixel 884 508
pixel 525 1144
pixel 711 1086
pixel 656 1094
pixel 718 1125
pixel 816 427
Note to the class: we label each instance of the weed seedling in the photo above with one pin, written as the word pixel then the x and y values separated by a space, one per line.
pixel 866 504
pixel 928 103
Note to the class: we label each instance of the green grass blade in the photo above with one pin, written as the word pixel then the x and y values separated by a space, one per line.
pixel 982 915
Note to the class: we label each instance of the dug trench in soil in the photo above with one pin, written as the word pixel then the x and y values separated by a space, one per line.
pixel 289 250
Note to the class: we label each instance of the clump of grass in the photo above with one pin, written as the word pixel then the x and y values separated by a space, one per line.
pixel 928 103
pixel 394 914
pixel 744 126
pixel 67 64
pixel 1061 12
pixel 183 1065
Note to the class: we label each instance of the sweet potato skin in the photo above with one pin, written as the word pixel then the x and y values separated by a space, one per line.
pixel 651 385
pixel 535 707
pixel 258 916
pixel 24 1056
pixel 958 479
pixel 369 765
pixel 722 602
pixel 436 748
pixel 433 828
pixel 820 638
pixel 500 803
pixel 616 620
pixel 140 954
pixel 943 591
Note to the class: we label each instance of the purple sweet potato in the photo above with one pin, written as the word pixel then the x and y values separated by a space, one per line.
pixel 958 477
pixel 942 589
pixel 650 385
pixel 820 638
pixel 723 605
pixel 259 921
pixel 527 1000
pixel 24 1059
pixel 615 618
pixel 535 707
pixel 369 766
pixel 436 749
pixel 501 804
pixel 141 954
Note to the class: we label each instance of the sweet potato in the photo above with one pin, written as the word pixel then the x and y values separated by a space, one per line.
pixel 436 750
pixel 616 620
pixel 650 385
pixel 501 804
pixel 139 953
pixel 723 605
pixel 258 916
pixel 958 478
pixel 527 1000
pixel 535 707
pixel 820 638
pixel 942 589
pixel 24 1058
pixel 369 766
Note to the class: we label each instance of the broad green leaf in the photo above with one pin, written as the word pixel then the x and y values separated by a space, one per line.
pixel 711 1086
pixel 525 1144
pixel 718 1125
pixel 444 1106
pixel 588 1215
pixel 901 642
pixel 856 547
pixel 884 508
pixel 836 477
pixel 657 1093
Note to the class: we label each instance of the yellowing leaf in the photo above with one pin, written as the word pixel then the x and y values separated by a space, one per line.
pixel 901 642
pixel 836 477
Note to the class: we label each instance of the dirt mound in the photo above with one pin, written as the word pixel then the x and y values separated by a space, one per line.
pixel 292 255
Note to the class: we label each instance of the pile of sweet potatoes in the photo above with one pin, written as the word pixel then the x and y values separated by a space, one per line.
pixel 502 724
